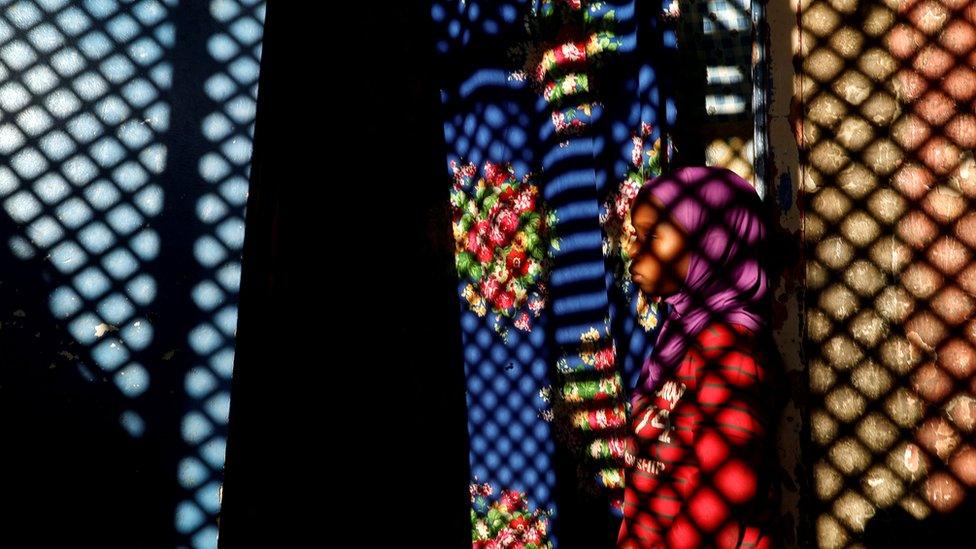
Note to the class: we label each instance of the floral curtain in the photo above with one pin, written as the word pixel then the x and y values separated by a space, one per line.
pixel 554 112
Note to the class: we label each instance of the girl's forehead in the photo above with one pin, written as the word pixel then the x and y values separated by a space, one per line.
pixel 644 211
pixel 648 199
pixel 648 206
pixel 651 212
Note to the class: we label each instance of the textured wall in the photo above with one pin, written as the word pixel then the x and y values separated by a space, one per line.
pixel 125 148
pixel 883 96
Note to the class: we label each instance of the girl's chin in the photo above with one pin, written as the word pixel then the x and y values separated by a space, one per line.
pixel 649 293
pixel 652 294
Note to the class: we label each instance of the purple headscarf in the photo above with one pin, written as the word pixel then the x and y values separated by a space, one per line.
pixel 720 212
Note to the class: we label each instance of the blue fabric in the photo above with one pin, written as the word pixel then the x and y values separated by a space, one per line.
pixel 491 113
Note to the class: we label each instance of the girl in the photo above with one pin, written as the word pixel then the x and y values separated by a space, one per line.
pixel 697 469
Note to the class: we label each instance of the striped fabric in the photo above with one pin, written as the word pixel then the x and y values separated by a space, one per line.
pixel 694 473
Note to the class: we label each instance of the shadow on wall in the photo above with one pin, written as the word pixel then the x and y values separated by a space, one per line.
pixel 886 136
pixel 66 459
pixel 125 147
pixel 897 528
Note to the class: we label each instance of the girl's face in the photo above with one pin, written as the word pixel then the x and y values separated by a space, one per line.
pixel 658 250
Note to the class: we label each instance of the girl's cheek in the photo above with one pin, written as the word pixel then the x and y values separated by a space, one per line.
pixel 651 268
pixel 670 249
pixel 663 251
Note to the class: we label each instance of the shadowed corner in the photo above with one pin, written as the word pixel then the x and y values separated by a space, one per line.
pixel 103 203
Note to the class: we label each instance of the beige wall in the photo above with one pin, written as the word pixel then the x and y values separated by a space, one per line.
pixel 884 176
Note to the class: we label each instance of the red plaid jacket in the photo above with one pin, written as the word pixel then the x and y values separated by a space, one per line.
pixel 696 451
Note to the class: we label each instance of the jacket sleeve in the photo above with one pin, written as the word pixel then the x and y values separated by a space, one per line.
pixel 660 477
